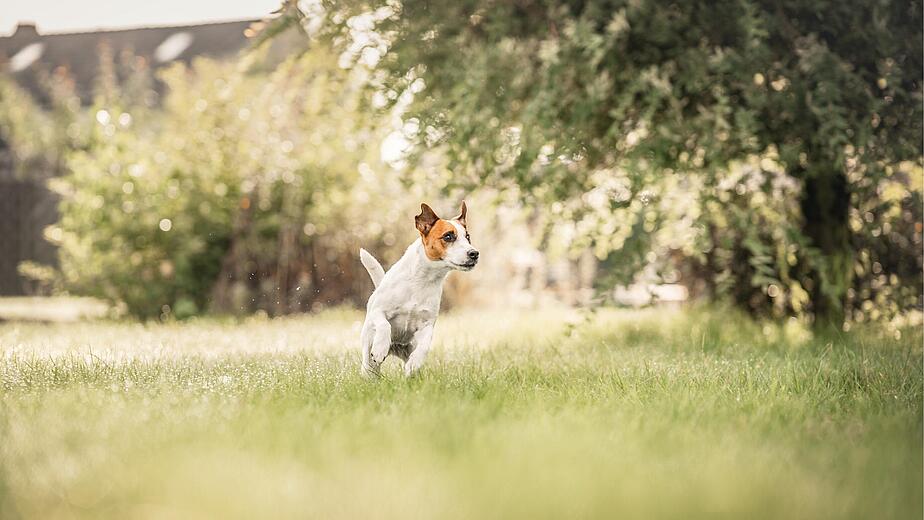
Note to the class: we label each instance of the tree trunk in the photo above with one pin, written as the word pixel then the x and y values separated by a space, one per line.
pixel 825 206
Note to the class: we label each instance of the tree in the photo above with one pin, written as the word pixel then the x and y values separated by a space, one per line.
pixel 544 95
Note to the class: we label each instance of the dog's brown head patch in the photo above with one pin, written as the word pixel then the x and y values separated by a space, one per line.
pixel 437 234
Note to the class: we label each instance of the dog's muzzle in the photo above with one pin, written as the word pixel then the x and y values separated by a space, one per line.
pixel 473 255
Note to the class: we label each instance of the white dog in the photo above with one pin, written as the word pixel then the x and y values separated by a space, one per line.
pixel 402 310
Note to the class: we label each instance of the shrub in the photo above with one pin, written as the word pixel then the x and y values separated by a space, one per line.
pixel 247 190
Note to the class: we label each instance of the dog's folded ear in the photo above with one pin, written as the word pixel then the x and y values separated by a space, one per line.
pixel 425 220
pixel 461 217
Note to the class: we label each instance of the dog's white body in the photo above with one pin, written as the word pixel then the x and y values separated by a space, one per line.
pixel 402 310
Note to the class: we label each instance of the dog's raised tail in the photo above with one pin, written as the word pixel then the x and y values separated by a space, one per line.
pixel 373 266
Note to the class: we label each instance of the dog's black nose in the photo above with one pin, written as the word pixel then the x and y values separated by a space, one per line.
pixel 473 254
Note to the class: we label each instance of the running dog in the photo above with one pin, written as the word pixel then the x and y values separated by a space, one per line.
pixel 403 307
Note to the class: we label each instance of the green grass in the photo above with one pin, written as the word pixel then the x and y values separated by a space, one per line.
pixel 517 415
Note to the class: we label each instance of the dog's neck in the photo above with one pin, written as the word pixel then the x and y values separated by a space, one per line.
pixel 423 270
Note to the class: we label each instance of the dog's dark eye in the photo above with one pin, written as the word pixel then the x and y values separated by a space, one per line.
pixel 468 237
pixel 449 237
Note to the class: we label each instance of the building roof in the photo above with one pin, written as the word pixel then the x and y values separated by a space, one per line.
pixel 29 55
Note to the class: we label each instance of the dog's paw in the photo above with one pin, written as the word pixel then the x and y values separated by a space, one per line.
pixel 411 369
pixel 378 354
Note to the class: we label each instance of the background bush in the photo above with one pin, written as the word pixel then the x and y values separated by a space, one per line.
pixel 712 161
pixel 245 190
pixel 607 113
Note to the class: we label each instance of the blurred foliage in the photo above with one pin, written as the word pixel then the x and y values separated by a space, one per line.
pixel 248 187
pixel 757 153
pixel 599 111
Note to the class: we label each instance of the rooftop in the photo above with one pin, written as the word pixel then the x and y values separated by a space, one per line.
pixel 29 56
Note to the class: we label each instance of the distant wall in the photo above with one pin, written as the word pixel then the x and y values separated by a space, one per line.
pixel 26 208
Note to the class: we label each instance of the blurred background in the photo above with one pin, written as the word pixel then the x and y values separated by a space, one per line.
pixel 230 158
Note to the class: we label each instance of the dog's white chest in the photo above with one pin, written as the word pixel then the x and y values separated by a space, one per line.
pixel 406 320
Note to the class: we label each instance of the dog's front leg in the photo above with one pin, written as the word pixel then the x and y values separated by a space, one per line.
pixel 368 333
pixel 381 340
pixel 420 345
pixel 376 340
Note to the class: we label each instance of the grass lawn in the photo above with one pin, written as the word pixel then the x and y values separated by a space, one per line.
pixel 516 415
